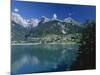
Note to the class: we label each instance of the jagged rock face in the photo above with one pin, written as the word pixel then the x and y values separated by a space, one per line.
pixel 33 22
pixel 18 19
pixel 24 22
pixel 71 20
pixel 44 19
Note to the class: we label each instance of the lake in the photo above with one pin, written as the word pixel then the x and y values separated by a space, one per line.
pixel 42 58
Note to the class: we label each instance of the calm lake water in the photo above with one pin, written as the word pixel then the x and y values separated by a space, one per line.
pixel 42 58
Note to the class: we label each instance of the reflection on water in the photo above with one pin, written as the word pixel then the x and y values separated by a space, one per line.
pixel 42 58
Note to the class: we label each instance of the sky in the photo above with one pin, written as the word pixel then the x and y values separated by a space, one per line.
pixel 36 10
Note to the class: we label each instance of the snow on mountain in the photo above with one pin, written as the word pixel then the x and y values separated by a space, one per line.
pixel 33 22
pixel 71 20
pixel 44 19
pixel 54 17
pixel 63 31
pixel 24 22
pixel 18 19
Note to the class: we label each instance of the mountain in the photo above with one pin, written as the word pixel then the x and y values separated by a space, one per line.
pixel 17 18
pixel 51 27
pixel 33 22
pixel 71 20
pixel 56 27
pixel 44 20
pixel 18 32
pixel 22 28
pixel 54 17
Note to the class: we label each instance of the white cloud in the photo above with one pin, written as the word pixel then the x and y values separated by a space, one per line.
pixel 16 10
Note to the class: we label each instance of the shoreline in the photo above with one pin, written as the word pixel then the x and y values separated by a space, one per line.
pixel 42 43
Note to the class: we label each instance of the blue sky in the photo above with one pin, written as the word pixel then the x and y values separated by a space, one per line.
pixel 36 9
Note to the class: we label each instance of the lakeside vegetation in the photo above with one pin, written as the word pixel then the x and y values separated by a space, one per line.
pixel 51 39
